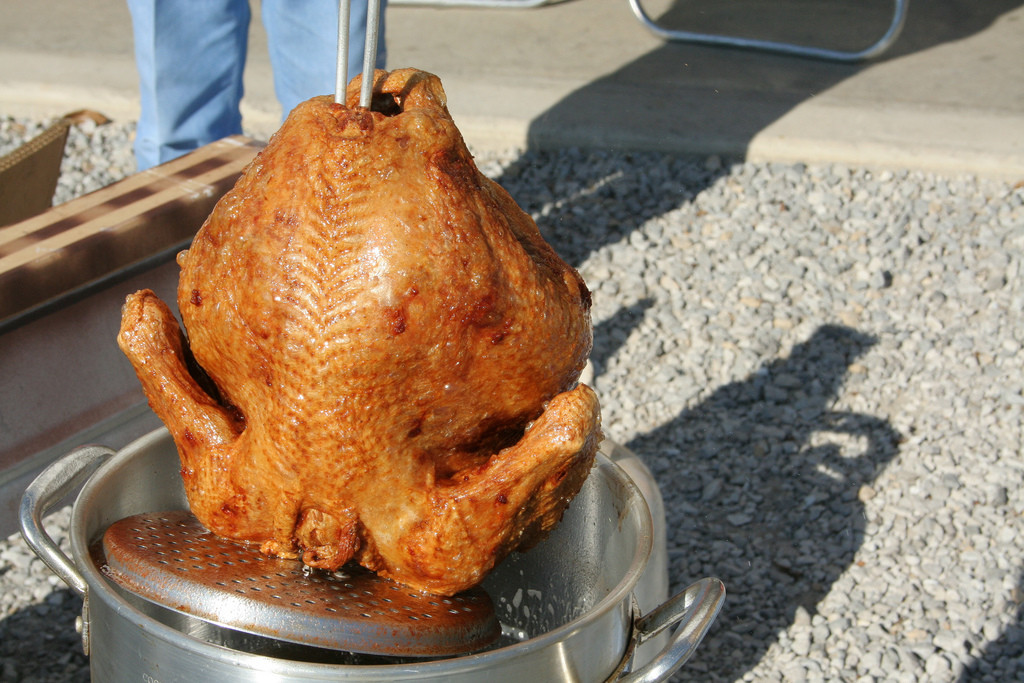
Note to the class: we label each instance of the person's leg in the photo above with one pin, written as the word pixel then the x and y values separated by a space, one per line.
pixel 303 40
pixel 190 56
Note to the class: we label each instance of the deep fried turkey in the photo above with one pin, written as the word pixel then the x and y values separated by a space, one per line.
pixel 382 352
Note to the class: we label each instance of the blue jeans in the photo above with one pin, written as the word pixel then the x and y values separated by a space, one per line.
pixel 191 54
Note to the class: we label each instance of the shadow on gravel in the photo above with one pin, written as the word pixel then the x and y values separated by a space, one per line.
pixel 583 200
pixel 1003 658
pixel 53 653
pixel 611 334
pixel 769 481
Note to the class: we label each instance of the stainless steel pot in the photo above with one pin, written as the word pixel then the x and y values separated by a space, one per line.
pixel 566 606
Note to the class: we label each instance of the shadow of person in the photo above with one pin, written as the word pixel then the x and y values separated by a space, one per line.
pixel 1003 658
pixel 768 481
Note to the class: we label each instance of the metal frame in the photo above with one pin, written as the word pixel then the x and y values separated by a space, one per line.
pixel 890 35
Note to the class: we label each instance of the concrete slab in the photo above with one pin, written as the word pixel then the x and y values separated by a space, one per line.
pixel 948 96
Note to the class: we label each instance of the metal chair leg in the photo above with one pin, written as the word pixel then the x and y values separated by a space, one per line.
pixel 890 35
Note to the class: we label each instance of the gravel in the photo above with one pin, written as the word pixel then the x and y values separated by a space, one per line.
pixel 822 366
pixel 94 155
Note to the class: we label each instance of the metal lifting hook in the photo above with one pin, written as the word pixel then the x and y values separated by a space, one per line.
pixel 369 51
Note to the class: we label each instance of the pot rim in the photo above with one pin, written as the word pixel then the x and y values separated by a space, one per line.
pixel 633 505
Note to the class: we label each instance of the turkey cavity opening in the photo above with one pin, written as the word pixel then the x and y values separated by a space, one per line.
pixel 386 104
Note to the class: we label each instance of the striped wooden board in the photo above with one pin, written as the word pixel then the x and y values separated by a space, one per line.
pixel 86 240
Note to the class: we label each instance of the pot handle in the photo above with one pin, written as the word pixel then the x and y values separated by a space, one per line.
pixel 47 490
pixel 695 609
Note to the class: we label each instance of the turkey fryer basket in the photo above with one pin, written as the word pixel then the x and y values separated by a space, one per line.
pixel 170 559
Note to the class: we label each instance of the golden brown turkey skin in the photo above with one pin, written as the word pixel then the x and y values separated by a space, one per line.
pixel 390 351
